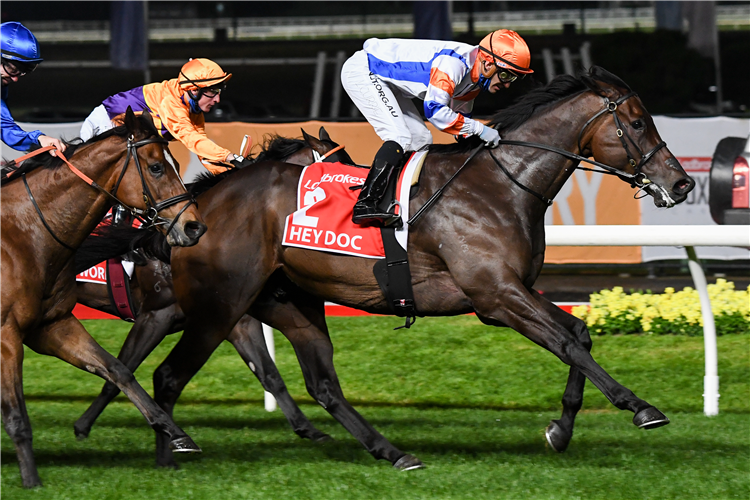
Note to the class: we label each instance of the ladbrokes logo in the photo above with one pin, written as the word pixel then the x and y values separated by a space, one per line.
pixel 340 178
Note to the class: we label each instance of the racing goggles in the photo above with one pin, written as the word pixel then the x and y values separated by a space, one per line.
pixel 212 91
pixel 13 69
pixel 505 75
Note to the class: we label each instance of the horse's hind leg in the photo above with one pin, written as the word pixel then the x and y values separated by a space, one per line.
pixel 69 341
pixel 148 331
pixel 15 417
pixel 247 338
pixel 306 329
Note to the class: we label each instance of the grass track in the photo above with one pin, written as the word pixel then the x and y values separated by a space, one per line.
pixel 470 401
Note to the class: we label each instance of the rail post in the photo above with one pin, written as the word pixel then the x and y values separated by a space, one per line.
pixel 711 377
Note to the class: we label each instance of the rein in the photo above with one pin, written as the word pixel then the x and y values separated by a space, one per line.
pixel 637 179
pixel 149 216
pixel 329 156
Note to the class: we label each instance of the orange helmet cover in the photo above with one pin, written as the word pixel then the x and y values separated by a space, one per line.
pixel 201 73
pixel 507 49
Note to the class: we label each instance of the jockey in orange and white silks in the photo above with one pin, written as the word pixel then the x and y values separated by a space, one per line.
pixel 177 107
pixel 384 77
pixel 20 56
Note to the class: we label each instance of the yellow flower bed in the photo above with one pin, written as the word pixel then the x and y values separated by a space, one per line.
pixel 614 311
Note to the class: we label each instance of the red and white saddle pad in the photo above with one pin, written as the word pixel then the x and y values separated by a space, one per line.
pixel 323 220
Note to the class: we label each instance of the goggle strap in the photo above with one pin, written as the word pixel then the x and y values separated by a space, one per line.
pixel 519 68
pixel 203 80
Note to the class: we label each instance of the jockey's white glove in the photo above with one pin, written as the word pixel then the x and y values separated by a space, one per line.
pixel 490 136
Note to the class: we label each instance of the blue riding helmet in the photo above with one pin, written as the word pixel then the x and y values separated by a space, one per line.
pixel 17 43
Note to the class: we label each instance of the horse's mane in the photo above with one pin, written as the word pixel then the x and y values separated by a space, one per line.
pixel 561 87
pixel 53 162
pixel 274 147
pixel 109 241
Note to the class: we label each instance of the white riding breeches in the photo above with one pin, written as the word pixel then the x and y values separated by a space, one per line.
pixel 389 111
pixel 96 123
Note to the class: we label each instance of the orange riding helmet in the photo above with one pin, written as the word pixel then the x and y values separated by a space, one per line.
pixel 505 49
pixel 201 75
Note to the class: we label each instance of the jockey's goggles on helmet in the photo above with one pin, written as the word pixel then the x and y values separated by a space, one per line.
pixel 211 92
pixel 505 76
pixel 17 69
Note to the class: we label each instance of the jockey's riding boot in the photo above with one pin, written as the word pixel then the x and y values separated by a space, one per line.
pixel 366 209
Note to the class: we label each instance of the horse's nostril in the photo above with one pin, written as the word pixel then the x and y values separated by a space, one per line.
pixel 194 229
pixel 683 186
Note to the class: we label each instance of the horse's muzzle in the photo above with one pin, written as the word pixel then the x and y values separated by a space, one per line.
pixel 670 189
pixel 186 235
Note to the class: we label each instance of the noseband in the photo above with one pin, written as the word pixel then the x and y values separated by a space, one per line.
pixel 150 216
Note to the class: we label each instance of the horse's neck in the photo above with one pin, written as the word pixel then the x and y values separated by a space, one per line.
pixel 71 207
pixel 544 171
pixel 303 157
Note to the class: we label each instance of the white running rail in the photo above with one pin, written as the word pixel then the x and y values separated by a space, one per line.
pixel 685 236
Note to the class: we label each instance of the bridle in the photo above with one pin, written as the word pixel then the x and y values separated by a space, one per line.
pixel 637 179
pixel 622 133
pixel 149 216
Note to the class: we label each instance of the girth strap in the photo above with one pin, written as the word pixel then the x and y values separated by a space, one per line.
pixel 118 287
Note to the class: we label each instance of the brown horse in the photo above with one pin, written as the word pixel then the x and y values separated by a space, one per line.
pixel 159 315
pixel 480 249
pixel 46 214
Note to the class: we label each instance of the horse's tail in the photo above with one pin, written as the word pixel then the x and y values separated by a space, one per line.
pixel 109 241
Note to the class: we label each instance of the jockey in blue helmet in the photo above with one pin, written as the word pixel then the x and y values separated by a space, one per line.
pixel 20 56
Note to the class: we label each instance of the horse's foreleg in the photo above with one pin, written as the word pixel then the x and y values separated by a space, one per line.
pixel 247 338
pixel 148 331
pixel 309 336
pixel 197 344
pixel 69 341
pixel 516 307
pixel 15 417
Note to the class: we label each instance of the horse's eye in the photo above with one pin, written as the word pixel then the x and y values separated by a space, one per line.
pixel 638 124
pixel 156 168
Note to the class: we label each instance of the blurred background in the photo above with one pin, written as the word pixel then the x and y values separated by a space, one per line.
pixel 683 58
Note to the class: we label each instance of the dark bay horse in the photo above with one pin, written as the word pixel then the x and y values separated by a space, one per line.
pixel 46 214
pixel 159 313
pixel 480 249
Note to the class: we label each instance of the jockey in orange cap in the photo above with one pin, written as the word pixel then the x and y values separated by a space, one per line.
pixel 384 77
pixel 177 107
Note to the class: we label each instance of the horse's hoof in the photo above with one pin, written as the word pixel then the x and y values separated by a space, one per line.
pixel 168 465
pixel 408 462
pixel 557 438
pixel 81 434
pixel 650 418
pixel 184 445
pixel 321 437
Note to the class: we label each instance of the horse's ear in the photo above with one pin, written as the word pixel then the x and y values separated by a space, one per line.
pixel 149 119
pixel 307 137
pixel 131 121
pixel 324 135
pixel 314 143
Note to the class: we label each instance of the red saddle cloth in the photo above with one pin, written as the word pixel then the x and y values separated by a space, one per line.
pixel 323 220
